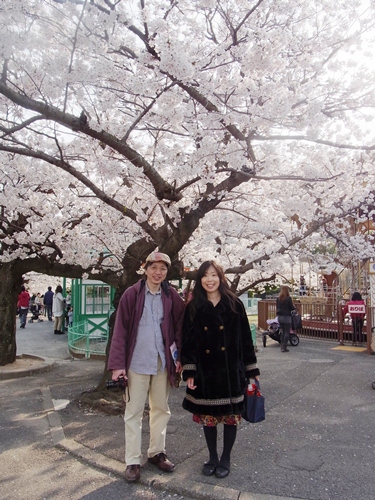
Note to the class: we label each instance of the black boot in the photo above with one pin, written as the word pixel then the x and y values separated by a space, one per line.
pixel 55 332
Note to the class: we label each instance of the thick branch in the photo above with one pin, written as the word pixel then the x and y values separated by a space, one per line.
pixel 255 283
pixel 163 189
pixel 126 212
pixel 197 96
pixel 212 198
pixel 313 227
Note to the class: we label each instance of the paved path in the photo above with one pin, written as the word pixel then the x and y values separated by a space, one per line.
pixel 317 441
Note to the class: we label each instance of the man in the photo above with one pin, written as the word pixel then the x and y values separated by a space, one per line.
pixel 146 334
pixel 47 301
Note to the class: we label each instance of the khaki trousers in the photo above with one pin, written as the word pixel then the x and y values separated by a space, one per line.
pixel 158 388
pixel 58 322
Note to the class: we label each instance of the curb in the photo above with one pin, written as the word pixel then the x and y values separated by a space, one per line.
pixel 175 485
pixel 42 366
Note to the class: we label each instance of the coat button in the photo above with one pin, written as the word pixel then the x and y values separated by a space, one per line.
pixel 223 348
pixel 205 328
pixel 221 327
pixel 207 351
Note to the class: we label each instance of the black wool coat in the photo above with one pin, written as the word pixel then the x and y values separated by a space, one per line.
pixel 218 352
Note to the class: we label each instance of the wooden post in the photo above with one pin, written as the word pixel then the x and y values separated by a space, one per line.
pixel 340 325
pixel 369 329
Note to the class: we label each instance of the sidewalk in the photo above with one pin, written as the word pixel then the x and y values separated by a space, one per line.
pixel 316 442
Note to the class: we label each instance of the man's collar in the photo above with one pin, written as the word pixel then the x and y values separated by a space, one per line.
pixel 153 293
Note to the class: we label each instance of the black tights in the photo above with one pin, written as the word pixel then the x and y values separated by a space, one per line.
pixel 210 433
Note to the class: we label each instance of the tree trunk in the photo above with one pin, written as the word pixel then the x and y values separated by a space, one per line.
pixel 111 323
pixel 11 281
pixel 100 398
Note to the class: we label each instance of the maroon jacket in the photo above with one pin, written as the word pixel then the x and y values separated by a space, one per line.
pixel 129 313
pixel 23 299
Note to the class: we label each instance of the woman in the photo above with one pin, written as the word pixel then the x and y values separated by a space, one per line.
pixel 38 303
pixel 356 304
pixel 23 306
pixel 58 304
pixel 217 356
pixel 284 308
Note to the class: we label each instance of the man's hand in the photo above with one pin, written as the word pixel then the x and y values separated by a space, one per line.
pixel 116 374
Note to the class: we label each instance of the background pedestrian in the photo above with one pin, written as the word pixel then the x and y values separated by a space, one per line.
pixel 284 308
pixel 23 306
pixel 47 302
pixel 357 317
pixel 58 304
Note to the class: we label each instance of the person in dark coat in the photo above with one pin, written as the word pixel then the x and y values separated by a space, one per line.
pixel 47 302
pixel 284 308
pixel 217 357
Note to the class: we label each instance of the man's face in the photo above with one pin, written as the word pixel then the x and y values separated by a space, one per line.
pixel 156 273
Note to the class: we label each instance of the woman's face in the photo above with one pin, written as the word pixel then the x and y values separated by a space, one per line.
pixel 210 281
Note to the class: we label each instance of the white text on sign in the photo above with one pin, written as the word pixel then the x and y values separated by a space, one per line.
pixel 360 308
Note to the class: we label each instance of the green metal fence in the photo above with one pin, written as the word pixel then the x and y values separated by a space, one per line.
pixel 88 338
pixel 254 334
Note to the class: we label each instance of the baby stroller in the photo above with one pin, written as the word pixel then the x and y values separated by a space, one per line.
pixel 34 309
pixel 274 332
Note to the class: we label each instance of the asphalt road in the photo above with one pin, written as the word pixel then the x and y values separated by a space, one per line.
pixel 317 441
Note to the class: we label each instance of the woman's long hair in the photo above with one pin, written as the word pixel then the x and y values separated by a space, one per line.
pixel 199 293
pixel 356 296
pixel 284 293
pixel 58 289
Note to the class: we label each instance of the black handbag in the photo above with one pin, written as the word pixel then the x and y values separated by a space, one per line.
pixel 296 322
pixel 254 408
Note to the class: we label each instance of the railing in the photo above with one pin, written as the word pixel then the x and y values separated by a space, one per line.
pixel 250 303
pixel 85 339
pixel 266 310
pixel 322 320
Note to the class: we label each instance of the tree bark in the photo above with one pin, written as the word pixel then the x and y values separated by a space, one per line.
pixel 11 281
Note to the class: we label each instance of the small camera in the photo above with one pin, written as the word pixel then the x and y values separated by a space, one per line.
pixel 120 383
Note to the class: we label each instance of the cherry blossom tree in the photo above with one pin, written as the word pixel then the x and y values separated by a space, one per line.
pixel 230 129
pixel 32 240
